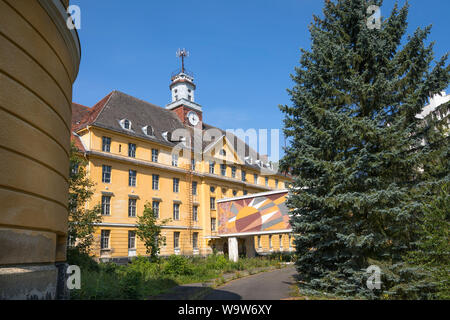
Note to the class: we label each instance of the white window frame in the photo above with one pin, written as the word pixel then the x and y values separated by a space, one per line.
pixel 132 204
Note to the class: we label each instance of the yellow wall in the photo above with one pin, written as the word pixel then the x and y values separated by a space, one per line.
pixel 38 64
pixel 121 164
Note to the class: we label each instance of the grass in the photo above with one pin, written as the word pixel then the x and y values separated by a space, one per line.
pixel 141 278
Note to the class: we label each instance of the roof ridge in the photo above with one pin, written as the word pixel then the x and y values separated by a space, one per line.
pixel 105 101
pixel 146 102
pixel 81 105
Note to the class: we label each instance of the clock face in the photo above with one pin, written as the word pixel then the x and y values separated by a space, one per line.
pixel 193 118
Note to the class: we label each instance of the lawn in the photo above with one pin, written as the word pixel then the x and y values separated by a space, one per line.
pixel 141 278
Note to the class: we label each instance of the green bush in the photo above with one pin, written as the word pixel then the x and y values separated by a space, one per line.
pixel 83 260
pixel 108 267
pixel 130 285
pixel 178 265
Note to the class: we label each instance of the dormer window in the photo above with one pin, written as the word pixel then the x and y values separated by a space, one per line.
pixel 167 135
pixel 125 124
pixel 148 130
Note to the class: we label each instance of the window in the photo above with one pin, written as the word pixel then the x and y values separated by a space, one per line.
pixel 71 241
pixel 280 237
pixel 75 166
pixel 106 144
pixel 233 171
pixel 176 97
pixel 276 183
pixel 212 203
pixel 234 193
pixel 176 185
pixel 131 239
pixel 223 169
pixel 148 130
pixel 211 167
pixel 243 175
pixel 194 188
pixel 189 97
pixel 120 148
pixel 176 211
pixel 212 189
pixel 175 160
pixel 193 164
pixel 132 207
pixel 255 178
pixel 223 152
pixel 267 181
pixel 106 174
pixel 126 124
pixel 195 240
pixel 213 224
pixel 195 213
pixel 106 205
pixel 245 192
pixel 132 150
pixel 270 241
pixel 155 153
pixel 176 240
pixel 259 241
pixel 155 208
pixel 290 241
pixel 155 182
pixel 104 239
pixel 132 178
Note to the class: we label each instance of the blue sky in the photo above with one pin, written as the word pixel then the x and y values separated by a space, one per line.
pixel 242 52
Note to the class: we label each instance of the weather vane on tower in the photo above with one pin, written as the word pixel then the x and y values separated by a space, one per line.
pixel 182 53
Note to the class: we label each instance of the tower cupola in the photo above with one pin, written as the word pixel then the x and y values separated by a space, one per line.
pixel 182 89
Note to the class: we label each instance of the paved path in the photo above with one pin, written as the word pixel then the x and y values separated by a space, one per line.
pixel 274 285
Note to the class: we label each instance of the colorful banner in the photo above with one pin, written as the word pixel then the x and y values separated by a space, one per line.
pixel 254 214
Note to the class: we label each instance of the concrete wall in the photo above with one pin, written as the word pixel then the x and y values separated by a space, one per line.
pixel 39 61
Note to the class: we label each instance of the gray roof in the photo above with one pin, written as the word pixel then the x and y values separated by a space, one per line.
pixel 140 113
pixel 118 106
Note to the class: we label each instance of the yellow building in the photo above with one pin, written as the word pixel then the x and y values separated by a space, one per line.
pixel 138 152
pixel 39 60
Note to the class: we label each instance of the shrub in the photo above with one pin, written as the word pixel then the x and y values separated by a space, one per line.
pixel 130 285
pixel 83 260
pixel 178 265
pixel 108 267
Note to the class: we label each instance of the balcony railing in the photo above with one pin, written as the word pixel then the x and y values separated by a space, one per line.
pixel 178 71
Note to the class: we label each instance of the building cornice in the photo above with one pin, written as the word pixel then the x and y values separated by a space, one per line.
pixel 101 154
pixel 134 225
pixel 186 103
pixel 58 13
pixel 255 233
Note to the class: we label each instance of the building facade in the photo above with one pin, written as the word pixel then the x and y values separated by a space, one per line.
pixel 168 157
pixel 39 60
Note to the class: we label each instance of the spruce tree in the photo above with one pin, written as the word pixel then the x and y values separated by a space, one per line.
pixel 356 146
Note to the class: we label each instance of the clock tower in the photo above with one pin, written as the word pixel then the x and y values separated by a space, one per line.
pixel 182 89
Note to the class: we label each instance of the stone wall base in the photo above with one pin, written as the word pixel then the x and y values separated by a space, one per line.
pixel 30 282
